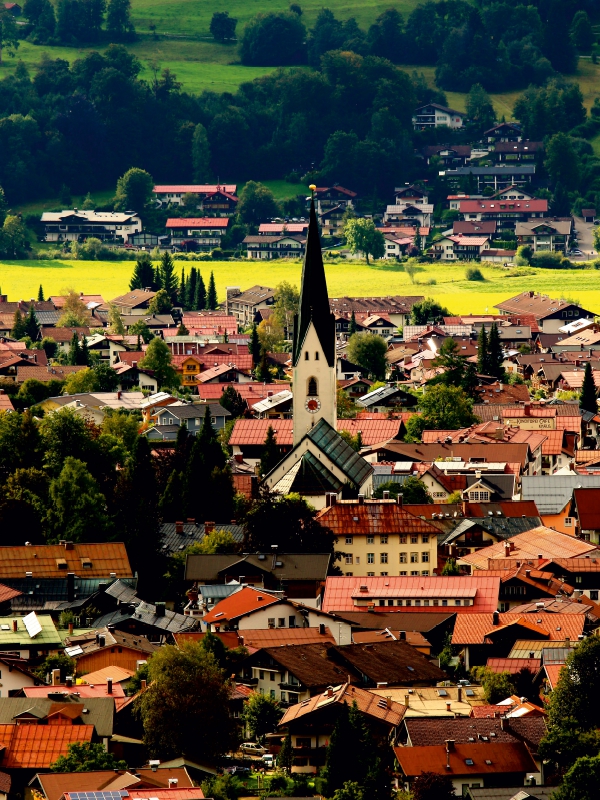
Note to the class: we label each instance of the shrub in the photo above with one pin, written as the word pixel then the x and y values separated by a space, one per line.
pixel 548 260
pixel 474 274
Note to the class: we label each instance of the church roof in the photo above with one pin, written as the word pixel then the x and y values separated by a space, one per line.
pixel 314 302
pixel 345 458
pixel 308 476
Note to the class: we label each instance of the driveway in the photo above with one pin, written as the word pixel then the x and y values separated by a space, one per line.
pixel 585 239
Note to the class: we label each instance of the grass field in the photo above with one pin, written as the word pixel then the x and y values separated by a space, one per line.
pixel 21 279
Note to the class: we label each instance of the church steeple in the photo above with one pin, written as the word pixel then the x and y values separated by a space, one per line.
pixel 313 357
pixel 314 302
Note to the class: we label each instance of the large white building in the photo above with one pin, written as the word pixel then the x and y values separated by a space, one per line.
pixel 77 225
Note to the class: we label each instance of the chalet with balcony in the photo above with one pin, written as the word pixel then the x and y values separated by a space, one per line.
pixel 77 225
pixel 434 115
pixel 269 247
pixel 551 234
pixel 197 233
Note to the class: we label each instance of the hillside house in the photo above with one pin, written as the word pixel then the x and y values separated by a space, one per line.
pixel 197 233
pixel 495 178
pixel 172 195
pixel 77 225
pixel 244 305
pixel 434 115
pixel 172 417
pixel 265 246
pixel 549 234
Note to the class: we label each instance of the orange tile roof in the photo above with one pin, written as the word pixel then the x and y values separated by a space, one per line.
pixel 541 541
pixel 238 604
pixel 118 674
pixel 490 758
pixel 471 629
pixel 367 702
pixel 274 637
pixel 230 639
pixel 190 793
pixel 55 784
pixel 90 689
pixel 38 746
pixel 513 665
pixel 553 673
pixel 43 560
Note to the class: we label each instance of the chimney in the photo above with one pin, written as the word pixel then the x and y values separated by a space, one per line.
pixel 69 546
pixel 173 783
pixel 388 702
pixel 386 494
pixel 400 499
pixel 448 707
pixel 531 655
pixel 459 694
pixel 527 573
pixel 402 635
pixel 143 684
pixel 160 609
pixel 119 395
pixel 527 409
pixel 330 691
pixel 15 625
pixel 69 681
pixel 502 723
pixel 361 499
pixel 71 628
pixel 495 618
pixel 407 700
pixel 449 743
pixel 322 629
pixel 55 677
pixel 179 527
pixel 239 458
pixel 109 685
pixel 506 549
pixel 512 547
pixel 209 527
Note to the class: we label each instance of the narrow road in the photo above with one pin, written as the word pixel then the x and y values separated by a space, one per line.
pixel 585 239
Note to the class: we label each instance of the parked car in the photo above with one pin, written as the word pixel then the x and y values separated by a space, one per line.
pixel 268 760
pixel 253 749
pixel 241 771
pixel 575 253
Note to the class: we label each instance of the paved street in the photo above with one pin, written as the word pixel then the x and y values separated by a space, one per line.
pixel 585 239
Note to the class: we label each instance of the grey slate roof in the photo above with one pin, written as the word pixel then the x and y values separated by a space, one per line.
pixel 551 493
pixel 215 592
pixel 501 527
pixel 47 318
pixel 328 440
pixel 290 566
pixel 173 542
pixel 50 594
pixel 377 396
pixel 100 710
pixel 194 410
pixel 170 622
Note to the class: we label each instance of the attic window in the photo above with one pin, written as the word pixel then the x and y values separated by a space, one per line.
pixel 469 762
pixel 61 563
pixel 487 761
pixel 86 563
pixel 443 693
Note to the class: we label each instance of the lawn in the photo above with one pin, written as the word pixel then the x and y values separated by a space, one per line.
pixel 21 279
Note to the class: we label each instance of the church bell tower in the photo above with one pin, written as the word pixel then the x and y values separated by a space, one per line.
pixel 313 356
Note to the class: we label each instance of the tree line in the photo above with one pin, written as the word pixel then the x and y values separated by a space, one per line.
pixel 498 44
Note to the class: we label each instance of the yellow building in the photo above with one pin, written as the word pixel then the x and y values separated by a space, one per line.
pixel 379 537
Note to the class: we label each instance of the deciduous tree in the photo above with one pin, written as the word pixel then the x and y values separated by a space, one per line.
pixel 158 358
pixel 261 714
pixel 86 757
pixel 182 708
pixel 256 203
pixel 369 352
pixel 222 26
pixel 134 190
pixel 363 237
pixel 77 507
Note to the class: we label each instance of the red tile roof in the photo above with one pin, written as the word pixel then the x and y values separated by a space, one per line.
pixel 513 665
pixel 588 508
pixel 474 628
pixel 38 746
pixel 238 604
pixel 352 518
pixel 198 222
pixel 195 188
pixel 368 703
pixel 553 673
pixel 539 542
pixel 488 758
pixel 514 508
pixel 341 593
pixel 189 793
pixel 254 431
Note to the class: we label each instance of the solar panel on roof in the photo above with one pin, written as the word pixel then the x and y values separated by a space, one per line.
pixel 32 625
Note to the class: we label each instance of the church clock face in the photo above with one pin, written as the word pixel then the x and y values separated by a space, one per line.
pixel 312 404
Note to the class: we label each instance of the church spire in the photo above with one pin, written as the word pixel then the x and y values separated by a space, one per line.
pixel 314 302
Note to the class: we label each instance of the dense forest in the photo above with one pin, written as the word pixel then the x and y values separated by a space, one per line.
pixel 347 120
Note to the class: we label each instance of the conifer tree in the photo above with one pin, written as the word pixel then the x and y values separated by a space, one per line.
pixel 200 297
pixel 469 382
pixel 73 355
pixel 270 456
pixel 84 353
pixel 32 329
pixel 168 280
pixel 254 345
pixel 285 759
pixel 182 330
pixel 18 328
pixel 232 400
pixel 190 290
pixel 138 513
pixel 182 289
pixel 352 329
pixel 263 373
pixel 143 274
pixel 495 354
pixel 157 280
pixel 211 300
pixel 40 296
pixel 588 400
pixel 170 505
pixel 482 352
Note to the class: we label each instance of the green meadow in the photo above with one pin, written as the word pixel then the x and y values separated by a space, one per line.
pixel 21 279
